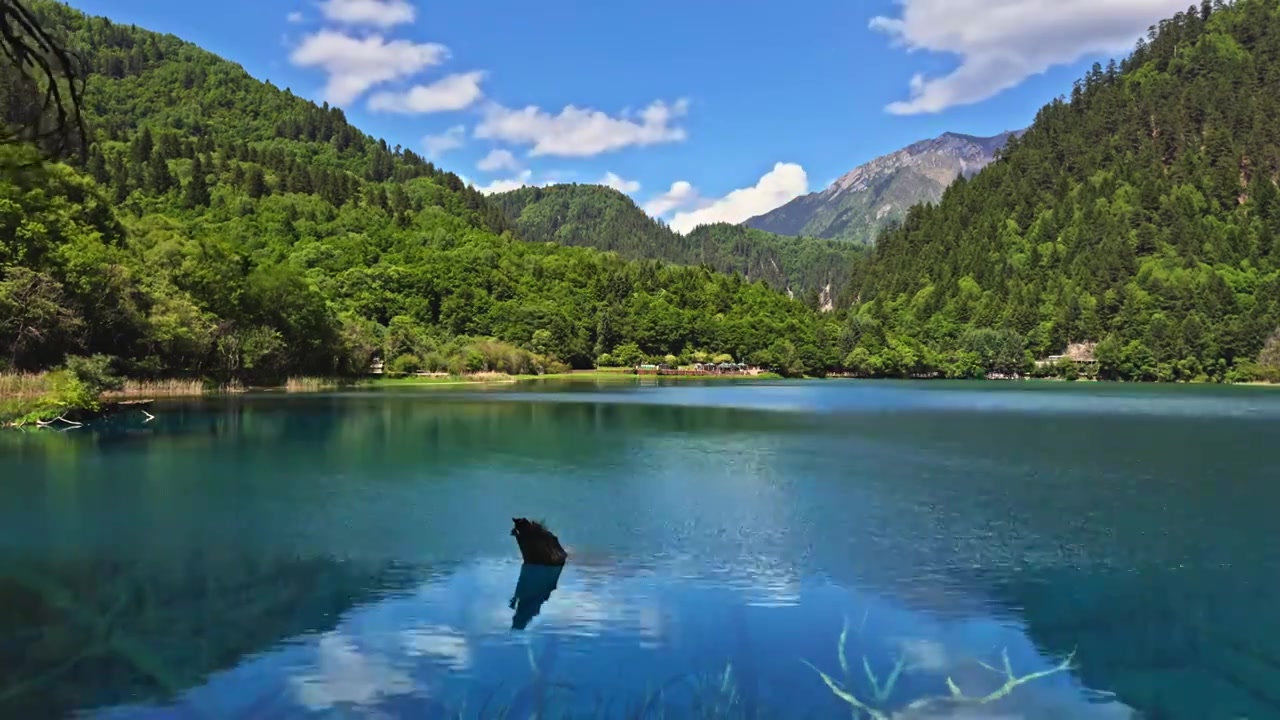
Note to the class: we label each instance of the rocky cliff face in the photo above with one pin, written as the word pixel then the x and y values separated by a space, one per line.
pixel 864 200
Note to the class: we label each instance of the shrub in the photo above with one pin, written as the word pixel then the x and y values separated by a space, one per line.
pixel 95 374
pixel 405 364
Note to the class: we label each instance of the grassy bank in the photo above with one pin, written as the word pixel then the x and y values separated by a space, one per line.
pixel 608 375
pixel 31 398
pixel 422 380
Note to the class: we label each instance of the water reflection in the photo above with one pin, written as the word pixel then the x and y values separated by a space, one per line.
pixel 444 647
pixel 533 588
pixel 84 632
pixel 349 555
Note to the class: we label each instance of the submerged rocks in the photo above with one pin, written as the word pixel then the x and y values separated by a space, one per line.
pixel 538 545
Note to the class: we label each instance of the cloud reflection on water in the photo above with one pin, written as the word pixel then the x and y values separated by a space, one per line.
pixel 342 675
pixel 455 628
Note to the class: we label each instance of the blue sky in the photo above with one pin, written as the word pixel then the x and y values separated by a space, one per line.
pixel 701 111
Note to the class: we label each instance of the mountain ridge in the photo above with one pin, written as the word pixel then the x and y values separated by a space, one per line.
pixel 1140 212
pixel 590 215
pixel 878 193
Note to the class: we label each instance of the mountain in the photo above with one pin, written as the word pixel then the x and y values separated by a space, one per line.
pixel 1141 213
pixel 877 194
pixel 605 219
pixel 220 226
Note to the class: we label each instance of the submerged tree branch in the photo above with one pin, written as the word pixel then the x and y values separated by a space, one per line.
pixel 882 690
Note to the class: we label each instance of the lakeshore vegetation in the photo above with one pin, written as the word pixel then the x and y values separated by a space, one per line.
pixel 218 229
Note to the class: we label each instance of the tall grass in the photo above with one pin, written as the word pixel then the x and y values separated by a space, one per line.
pixel 157 388
pixel 486 376
pixel 23 385
pixel 313 384
pixel 34 385
pixel 478 378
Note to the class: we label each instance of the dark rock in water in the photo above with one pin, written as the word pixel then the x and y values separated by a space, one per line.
pixel 534 587
pixel 538 545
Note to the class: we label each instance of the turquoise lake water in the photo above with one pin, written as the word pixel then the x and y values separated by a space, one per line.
pixel 348 554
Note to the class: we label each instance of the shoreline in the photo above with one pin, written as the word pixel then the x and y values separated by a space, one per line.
pixel 14 407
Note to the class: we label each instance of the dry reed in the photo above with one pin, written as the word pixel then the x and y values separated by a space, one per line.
pixel 487 376
pixel 314 384
pixel 173 387
pixel 23 385
pixel 34 385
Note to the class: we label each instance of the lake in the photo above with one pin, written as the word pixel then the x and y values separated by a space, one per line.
pixel 747 550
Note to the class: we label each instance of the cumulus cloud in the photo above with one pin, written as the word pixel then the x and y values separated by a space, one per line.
pixel 619 183
pixel 508 184
pixel 582 132
pixel 344 675
pixel 294 17
pixel 454 92
pixel 380 13
pixel 682 194
pixel 1003 42
pixel 451 139
pixel 356 64
pixel 498 160
pixel 440 642
pixel 784 183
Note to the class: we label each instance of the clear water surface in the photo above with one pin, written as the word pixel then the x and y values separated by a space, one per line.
pixel 348 555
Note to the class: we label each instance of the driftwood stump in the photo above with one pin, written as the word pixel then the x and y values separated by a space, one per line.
pixel 538 545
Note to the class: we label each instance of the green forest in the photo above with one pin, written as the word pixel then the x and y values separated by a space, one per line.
pixel 605 219
pixel 215 226
pixel 220 227
pixel 1140 213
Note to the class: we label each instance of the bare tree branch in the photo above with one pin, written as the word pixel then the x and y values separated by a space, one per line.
pixel 42 61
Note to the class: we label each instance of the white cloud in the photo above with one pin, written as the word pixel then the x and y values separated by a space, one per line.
pixel 294 17
pixel 784 183
pixel 454 92
pixel 619 183
pixel 441 642
pixel 381 13
pixel 1003 42
pixel 451 139
pixel 356 64
pixel 344 675
pixel 681 195
pixel 582 132
pixel 498 160
pixel 508 184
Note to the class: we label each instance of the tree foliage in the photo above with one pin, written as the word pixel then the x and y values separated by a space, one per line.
pixel 1142 212
pixel 603 218
pixel 222 227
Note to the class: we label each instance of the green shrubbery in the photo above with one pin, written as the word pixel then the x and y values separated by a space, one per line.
pixel 77 386
pixel 463 356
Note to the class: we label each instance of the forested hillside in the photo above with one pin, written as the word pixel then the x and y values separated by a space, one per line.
pixel 603 218
pixel 219 226
pixel 1142 213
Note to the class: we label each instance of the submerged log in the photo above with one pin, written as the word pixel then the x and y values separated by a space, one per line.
pixel 538 545
pixel 110 408
pixel 74 417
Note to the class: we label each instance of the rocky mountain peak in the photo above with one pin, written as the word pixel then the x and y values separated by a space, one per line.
pixel 862 200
